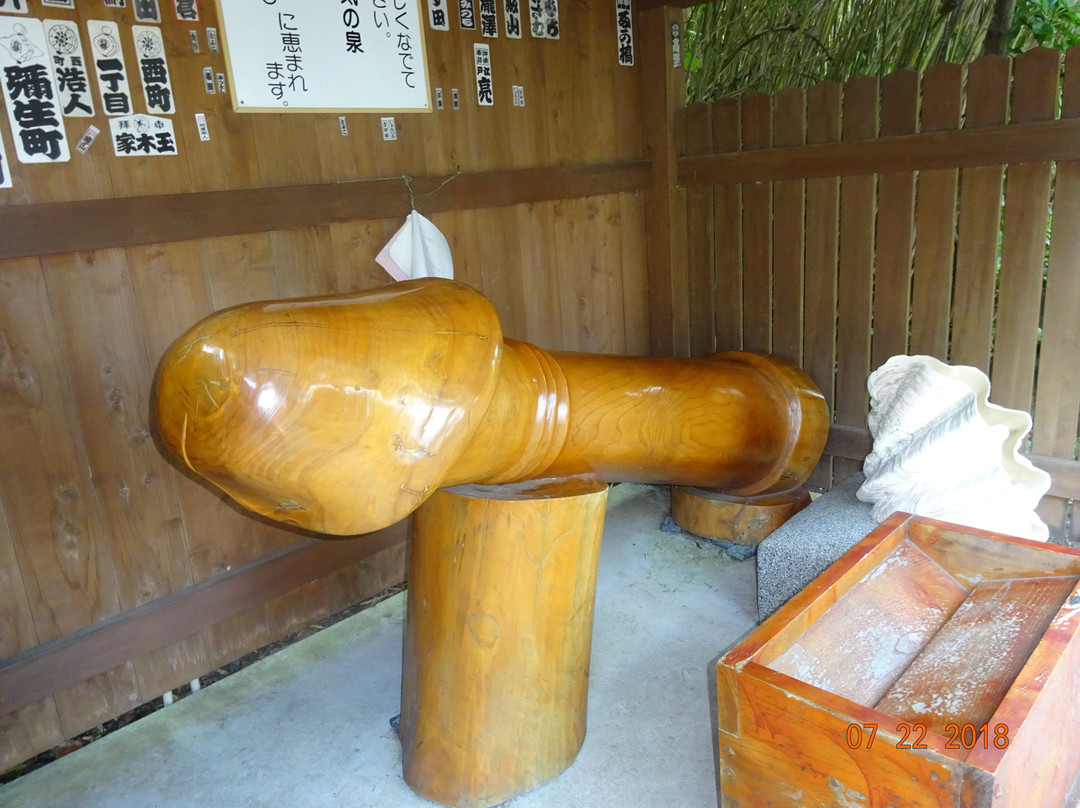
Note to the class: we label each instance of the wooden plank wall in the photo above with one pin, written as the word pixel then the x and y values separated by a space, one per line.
pixel 96 527
pixel 908 214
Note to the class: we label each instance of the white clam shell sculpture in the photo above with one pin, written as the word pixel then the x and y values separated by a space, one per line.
pixel 942 450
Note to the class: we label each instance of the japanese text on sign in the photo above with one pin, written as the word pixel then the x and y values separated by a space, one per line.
pixel 65 48
pixel 482 58
pixel 624 28
pixel 348 54
pixel 153 69
pixel 489 23
pixel 286 71
pixel 142 135
pixel 437 16
pixel 467 14
pixel 551 19
pixel 512 16
pixel 37 126
pixel 109 62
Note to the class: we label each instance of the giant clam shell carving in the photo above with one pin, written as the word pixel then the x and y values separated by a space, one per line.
pixel 942 450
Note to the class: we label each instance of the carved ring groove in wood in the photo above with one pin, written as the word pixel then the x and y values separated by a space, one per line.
pixel 343 414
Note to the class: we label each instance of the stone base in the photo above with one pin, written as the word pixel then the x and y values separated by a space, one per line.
pixel 808 543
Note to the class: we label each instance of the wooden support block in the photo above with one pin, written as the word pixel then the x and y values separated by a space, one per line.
pixel 932 666
pixel 740 520
pixel 498 633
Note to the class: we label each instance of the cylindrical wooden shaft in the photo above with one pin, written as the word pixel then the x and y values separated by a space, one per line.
pixel 498 633
pixel 342 415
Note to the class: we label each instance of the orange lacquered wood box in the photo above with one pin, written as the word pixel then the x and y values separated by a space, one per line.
pixel 932 665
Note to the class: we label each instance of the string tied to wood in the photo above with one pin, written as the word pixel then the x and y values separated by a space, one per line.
pixel 414 198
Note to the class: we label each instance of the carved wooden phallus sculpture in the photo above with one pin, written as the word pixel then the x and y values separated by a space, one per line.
pixel 345 414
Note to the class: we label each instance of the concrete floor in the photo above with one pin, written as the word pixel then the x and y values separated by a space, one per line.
pixel 309 726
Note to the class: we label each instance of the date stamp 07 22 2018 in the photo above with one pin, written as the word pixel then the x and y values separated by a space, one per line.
pixel 913 736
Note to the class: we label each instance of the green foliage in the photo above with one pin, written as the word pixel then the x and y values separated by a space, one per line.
pixel 737 47
pixel 1044 23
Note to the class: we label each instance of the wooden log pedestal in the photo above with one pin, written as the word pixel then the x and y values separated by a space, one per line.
pixel 498 633
pixel 739 520
pixel 932 666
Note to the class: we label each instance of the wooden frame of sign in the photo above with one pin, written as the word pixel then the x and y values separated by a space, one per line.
pixel 321 56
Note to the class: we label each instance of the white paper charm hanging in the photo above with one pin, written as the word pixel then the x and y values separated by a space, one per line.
pixel 417 250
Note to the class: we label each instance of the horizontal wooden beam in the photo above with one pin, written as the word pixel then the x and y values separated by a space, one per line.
pixel 855 443
pixel 47 669
pixel 63 227
pixel 962 148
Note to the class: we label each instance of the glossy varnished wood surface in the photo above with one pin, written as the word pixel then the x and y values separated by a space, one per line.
pixel 922 629
pixel 336 414
pixel 739 520
pixel 343 414
pixel 498 636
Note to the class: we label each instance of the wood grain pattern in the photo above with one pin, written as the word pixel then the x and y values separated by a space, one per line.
pixel 28 677
pixel 661 105
pixel 895 225
pixel 50 498
pixel 438 399
pixel 855 273
pixel 995 145
pixel 887 263
pixel 757 243
pixel 979 221
pixel 57 227
pixel 935 212
pixel 1003 657
pixel 962 674
pixel 727 230
pixel 899 607
pixel 495 685
pixel 270 207
pixel 739 520
pixel 1038 704
pixel 1057 406
pixel 822 237
pixel 789 216
pixel 1023 244
pixel 700 242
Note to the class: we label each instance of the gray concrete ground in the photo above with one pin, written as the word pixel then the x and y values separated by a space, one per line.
pixel 308 726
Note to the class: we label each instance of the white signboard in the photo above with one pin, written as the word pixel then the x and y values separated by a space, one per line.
pixel 69 65
pixel 142 135
pixel 332 55
pixel 111 70
pixel 153 69
pixel 33 103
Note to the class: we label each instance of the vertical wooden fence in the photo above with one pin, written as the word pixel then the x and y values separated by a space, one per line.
pixel 929 214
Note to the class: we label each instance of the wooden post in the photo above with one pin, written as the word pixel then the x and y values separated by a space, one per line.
pixel 663 95
pixel 498 633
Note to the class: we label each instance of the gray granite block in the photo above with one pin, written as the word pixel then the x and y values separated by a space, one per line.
pixel 808 543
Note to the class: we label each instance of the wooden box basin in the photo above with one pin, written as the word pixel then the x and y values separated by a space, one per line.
pixel 932 665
